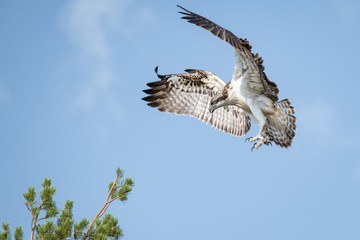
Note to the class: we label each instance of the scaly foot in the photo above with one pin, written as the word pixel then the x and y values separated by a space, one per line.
pixel 262 141
pixel 252 139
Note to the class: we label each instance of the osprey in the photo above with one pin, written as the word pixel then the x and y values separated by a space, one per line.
pixel 229 107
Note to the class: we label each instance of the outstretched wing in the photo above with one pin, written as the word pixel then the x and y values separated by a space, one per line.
pixel 242 45
pixel 190 94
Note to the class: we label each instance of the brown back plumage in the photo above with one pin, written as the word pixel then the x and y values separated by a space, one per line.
pixel 270 88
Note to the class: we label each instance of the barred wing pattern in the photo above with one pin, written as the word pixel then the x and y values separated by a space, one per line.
pixel 270 88
pixel 190 94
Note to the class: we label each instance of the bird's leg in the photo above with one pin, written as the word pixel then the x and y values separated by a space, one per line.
pixel 262 137
pixel 261 142
pixel 260 119
pixel 260 134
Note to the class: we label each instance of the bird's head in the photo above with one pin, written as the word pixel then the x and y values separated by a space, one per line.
pixel 219 100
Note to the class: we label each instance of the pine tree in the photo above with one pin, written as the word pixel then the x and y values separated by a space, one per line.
pixel 101 226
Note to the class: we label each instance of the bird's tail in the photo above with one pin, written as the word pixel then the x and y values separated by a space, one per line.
pixel 280 128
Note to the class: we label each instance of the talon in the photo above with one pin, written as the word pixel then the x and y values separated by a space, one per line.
pixel 262 140
pixel 252 139
pixel 254 146
pixel 267 143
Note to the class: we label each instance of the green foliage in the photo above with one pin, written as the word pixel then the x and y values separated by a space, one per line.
pixel 47 202
pixel 5 234
pixel 65 227
pixel 99 229
pixel 80 227
pixel 105 228
pixel 45 231
pixel 19 234
pixel 65 221
pixel 123 186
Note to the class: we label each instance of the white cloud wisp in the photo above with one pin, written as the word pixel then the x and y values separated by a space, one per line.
pixel 88 23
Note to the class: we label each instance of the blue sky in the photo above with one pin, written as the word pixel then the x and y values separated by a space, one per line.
pixel 71 75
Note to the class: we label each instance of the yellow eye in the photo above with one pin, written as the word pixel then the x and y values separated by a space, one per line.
pixel 213 102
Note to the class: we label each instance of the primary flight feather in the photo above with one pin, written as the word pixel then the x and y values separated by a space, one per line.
pixel 230 107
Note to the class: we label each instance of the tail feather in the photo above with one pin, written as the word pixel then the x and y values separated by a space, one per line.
pixel 282 131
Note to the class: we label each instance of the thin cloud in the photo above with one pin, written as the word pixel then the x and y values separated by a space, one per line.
pixel 5 96
pixel 346 9
pixel 316 120
pixel 87 23
pixel 144 18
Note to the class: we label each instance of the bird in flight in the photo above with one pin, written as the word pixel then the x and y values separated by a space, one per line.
pixel 231 106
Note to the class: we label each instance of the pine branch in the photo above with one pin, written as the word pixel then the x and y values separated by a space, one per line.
pixel 6 233
pixel 114 194
pixel 103 207
pixel 19 234
pixel 104 228
pixel 46 204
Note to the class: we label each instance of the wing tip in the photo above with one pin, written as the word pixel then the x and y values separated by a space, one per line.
pixel 191 70
pixel 187 12
pixel 159 75
pixel 181 7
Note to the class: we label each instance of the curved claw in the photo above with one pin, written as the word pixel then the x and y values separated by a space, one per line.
pixel 253 147
pixel 247 139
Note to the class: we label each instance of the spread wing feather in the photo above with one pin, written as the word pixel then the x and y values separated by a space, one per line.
pixel 270 88
pixel 190 94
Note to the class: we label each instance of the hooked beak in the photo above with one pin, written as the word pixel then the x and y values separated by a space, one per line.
pixel 212 109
